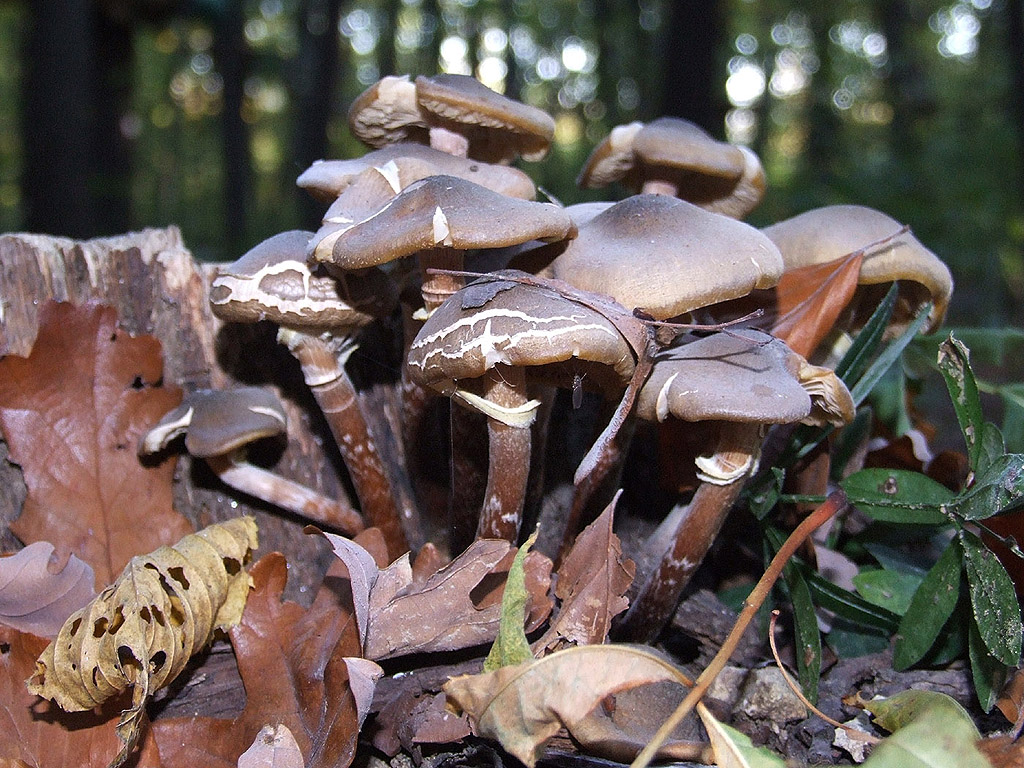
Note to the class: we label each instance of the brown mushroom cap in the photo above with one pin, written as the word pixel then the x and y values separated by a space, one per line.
pixel 273 282
pixel 833 232
pixel 217 422
pixel 741 376
pixel 500 321
pixel 498 128
pixel 387 112
pixel 682 159
pixel 445 211
pixel 327 179
pixel 667 256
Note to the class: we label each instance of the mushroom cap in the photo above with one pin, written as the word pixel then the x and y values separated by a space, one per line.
pixel 741 376
pixel 217 422
pixel 273 282
pixel 326 179
pixel 715 175
pixel 494 321
pixel 498 128
pixel 445 211
pixel 833 232
pixel 667 256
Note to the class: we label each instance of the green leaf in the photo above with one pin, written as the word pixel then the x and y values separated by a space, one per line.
pixel 849 639
pixel 764 492
pixel 955 365
pixel 1013 414
pixel 931 731
pixel 889 355
pixel 511 646
pixel 998 489
pixel 988 673
pixel 808 639
pixel 930 607
pixel 857 358
pixel 734 749
pixel 891 590
pixel 993 600
pixel 898 496
pixel 850 605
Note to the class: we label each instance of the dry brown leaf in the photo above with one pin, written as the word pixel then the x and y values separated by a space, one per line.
pixel 457 607
pixel 37 593
pixel 40 734
pixel 293 663
pixel 274 747
pixel 810 300
pixel 592 584
pixel 523 706
pixel 72 413
pixel 141 630
pixel 1002 751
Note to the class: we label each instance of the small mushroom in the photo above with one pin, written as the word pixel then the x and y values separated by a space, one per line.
pixel 317 317
pixel 672 156
pixel 477 347
pixel 743 380
pixel 827 234
pixel 326 179
pixel 454 113
pixel 219 425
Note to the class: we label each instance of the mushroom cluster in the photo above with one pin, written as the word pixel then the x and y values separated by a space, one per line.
pixel 503 301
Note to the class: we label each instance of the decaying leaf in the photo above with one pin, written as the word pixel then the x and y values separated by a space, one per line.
pixel 592 584
pixel 39 734
pixel 523 706
pixel 37 593
pixel 140 631
pixel 362 575
pixel 811 298
pixel 457 607
pixel 293 662
pixel 274 747
pixel 511 646
pixel 72 413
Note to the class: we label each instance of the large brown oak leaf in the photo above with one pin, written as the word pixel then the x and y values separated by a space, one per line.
pixel 72 413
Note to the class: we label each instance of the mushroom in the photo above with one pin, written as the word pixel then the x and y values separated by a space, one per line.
pixel 667 256
pixel 892 255
pixel 476 348
pixel 672 156
pixel 438 219
pixel 454 113
pixel 743 380
pixel 219 425
pixel 317 316
pixel 326 179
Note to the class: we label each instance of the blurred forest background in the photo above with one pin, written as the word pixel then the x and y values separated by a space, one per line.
pixel 118 114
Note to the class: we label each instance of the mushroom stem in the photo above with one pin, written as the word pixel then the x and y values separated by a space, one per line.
pixel 325 375
pixel 734 458
pixel 659 187
pixel 449 141
pixel 438 286
pixel 234 471
pixel 509 457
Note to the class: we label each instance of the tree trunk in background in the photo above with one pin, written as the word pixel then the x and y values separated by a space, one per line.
pixel 823 125
pixel 77 82
pixel 1015 44
pixel 229 53
pixel 388 44
pixel 692 83
pixel 314 83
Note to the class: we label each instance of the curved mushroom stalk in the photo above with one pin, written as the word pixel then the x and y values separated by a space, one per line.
pixel 235 471
pixel 723 476
pixel 324 371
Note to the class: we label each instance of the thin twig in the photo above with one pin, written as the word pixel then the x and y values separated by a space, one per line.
pixel 834 504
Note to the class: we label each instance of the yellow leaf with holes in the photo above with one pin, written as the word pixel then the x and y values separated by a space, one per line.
pixel 140 631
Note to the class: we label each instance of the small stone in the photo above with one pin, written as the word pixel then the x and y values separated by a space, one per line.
pixel 767 696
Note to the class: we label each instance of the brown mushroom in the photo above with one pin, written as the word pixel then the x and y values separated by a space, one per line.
pixel 454 113
pixel 326 179
pixel 219 425
pixel 827 234
pixel 317 317
pixel 743 380
pixel 667 257
pixel 476 348
pixel 672 156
